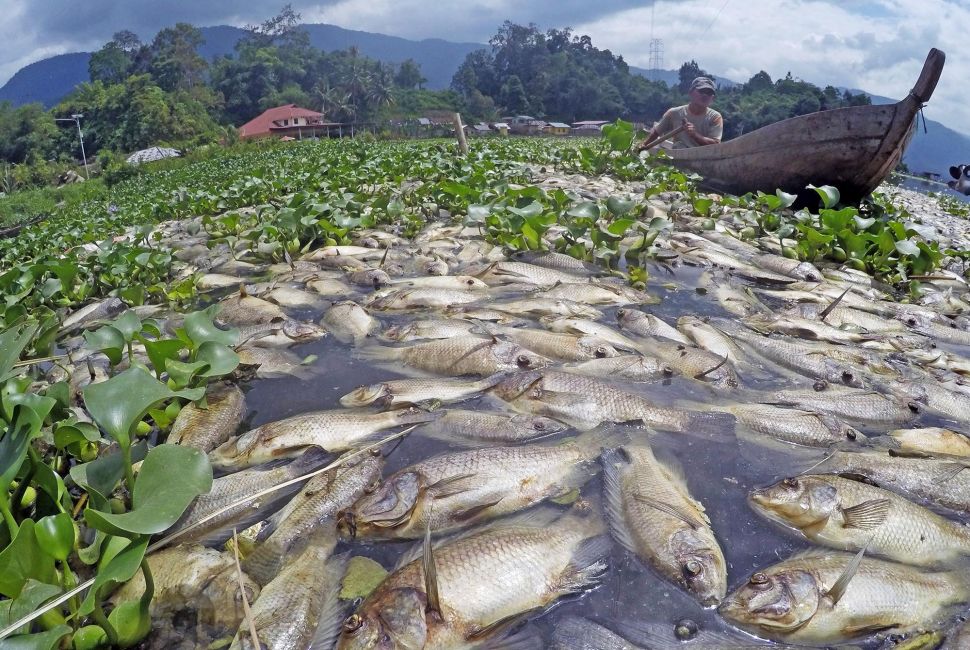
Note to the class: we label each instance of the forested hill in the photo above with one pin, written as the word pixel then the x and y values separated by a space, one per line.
pixel 50 80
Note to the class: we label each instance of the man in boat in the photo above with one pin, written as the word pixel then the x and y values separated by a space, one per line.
pixel 701 125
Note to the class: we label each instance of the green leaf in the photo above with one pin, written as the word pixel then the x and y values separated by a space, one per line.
pixel 108 340
pixel 183 373
pixel 531 236
pixel 117 405
pixel 200 328
pixel 619 135
pixel 128 324
pixel 829 195
pixel 161 350
pixel 530 209
pixel 619 207
pixel 620 227
pixel 584 210
pixel 786 199
pixel 47 640
pixel 220 358
pixel 907 247
pixel 24 559
pixel 55 535
pixel 121 568
pixel 67 432
pixel 863 224
pixel 33 595
pixel 13 445
pixel 157 500
pixel 702 206
pixel 102 475
pixel 13 341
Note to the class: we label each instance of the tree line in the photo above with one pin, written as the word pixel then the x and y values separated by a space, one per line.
pixel 164 92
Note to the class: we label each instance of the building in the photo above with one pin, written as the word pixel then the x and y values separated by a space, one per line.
pixel 289 120
pixel 501 127
pixel 524 124
pixel 478 129
pixel 588 127
pixel 556 128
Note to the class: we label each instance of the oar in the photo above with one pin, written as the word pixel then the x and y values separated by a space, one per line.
pixel 650 144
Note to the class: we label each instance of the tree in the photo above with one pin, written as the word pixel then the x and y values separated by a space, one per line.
pixel 759 82
pixel 110 64
pixel 409 75
pixel 282 29
pixel 176 65
pixel 513 97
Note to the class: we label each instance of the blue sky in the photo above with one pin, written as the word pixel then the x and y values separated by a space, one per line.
pixel 875 45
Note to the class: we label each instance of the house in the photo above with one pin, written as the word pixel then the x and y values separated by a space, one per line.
pixel 524 124
pixel 289 120
pixel 477 129
pixel 501 127
pixel 556 128
pixel 588 127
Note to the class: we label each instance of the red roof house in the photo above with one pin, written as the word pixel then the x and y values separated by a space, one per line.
pixel 289 120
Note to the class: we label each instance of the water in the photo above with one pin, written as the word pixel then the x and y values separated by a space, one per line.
pixel 720 471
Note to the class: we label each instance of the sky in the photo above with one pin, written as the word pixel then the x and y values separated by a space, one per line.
pixel 874 45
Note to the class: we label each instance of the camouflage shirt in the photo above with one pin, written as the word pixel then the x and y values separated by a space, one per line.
pixel 709 125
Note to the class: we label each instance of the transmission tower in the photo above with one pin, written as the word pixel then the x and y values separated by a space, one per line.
pixel 656 63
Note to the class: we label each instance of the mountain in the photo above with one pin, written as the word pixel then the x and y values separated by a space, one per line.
pixel 46 81
pixel 49 80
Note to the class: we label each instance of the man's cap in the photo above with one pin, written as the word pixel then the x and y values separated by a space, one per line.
pixel 700 83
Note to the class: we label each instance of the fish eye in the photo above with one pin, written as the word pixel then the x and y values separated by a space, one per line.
pixel 523 361
pixel 911 321
pixel 353 624
pixel 790 483
pixel 847 376
pixel 693 567
pixel 372 488
pixel 470 282
pixel 600 353
pixel 758 579
pixel 915 407
pixel 539 425
pixel 820 385
pixel 850 434
pixel 685 630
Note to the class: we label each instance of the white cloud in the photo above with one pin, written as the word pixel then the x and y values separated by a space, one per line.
pixel 877 46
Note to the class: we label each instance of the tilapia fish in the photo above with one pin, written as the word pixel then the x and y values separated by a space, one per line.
pixel 477 428
pixel 641 324
pixel 334 431
pixel 208 428
pixel 484 583
pixel 653 515
pixel 564 347
pixel 853 404
pixel 585 402
pixel 431 329
pixel 458 282
pixel 424 298
pixel 558 261
pixel 300 607
pixel 349 322
pixel 273 362
pixel 510 272
pixel 398 393
pixel 538 307
pixel 940 481
pixel 312 514
pixel 189 577
pixel 92 313
pixel 599 293
pixel 794 426
pixel 631 367
pixel 229 489
pixel 279 333
pixel 466 355
pixel 932 440
pixel 821 598
pixel 850 515
pixel 242 309
pixel 460 489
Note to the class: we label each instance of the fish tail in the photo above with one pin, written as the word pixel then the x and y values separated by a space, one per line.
pixel 576 633
pixel 378 353
pixel 330 616
pixel 588 563
pixel 602 438
pixel 613 460
pixel 313 458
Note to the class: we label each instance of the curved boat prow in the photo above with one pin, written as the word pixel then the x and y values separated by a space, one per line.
pixel 929 76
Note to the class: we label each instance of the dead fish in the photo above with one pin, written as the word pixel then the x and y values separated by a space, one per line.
pixel 851 515
pixel 349 322
pixel 585 402
pixel 477 428
pixel 653 515
pixel 208 427
pixel 479 585
pixel 794 426
pixel 792 268
pixel 509 272
pixel 833 597
pixel 431 329
pixel 537 307
pixel 312 513
pixel 599 293
pixel 293 297
pixel 631 367
pixel 92 313
pixel 580 326
pixel 853 404
pixel 375 278
pixel 300 607
pixel 334 431
pixel 279 333
pixel 243 309
pixel 400 393
pixel 467 355
pixel 423 298
pixel 211 281
pixel 331 288
pixel 229 489
pixel 453 282
pixel 564 347
pixel 459 489
pixel 932 440
pixel 558 262
pixel 273 362
pixel 642 324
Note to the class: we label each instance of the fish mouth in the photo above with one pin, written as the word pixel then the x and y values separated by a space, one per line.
pixel 347 524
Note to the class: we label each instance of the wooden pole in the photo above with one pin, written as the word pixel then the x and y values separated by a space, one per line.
pixel 462 144
pixel 650 144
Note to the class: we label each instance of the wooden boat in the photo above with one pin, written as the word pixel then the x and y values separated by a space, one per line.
pixel 853 148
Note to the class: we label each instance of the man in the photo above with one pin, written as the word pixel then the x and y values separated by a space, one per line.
pixel 702 124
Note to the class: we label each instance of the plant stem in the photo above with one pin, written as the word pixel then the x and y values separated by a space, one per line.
pixel 146 570
pixel 8 517
pixel 129 473
pixel 99 617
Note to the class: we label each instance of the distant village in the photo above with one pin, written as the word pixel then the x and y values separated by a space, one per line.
pixel 291 122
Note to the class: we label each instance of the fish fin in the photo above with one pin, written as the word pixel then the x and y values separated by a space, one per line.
pixel 602 438
pixel 330 615
pixel 720 363
pixel 577 633
pixel 866 515
pixel 828 310
pixel 671 510
pixel 588 563
pixel 447 487
pixel 953 469
pixel 612 460
pixel 265 561
pixel 496 627
pixel 842 584
pixel 470 513
pixel 866 630
pixel 430 570
pixel 378 353
pixel 255 511
pixel 417 416
pixel 528 638
pixel 714 424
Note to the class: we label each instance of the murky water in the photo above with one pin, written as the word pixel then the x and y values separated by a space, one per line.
pixel 720 471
